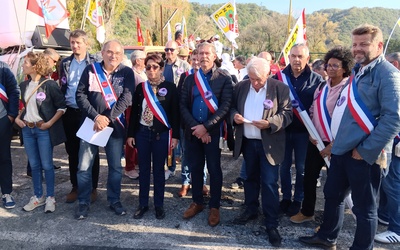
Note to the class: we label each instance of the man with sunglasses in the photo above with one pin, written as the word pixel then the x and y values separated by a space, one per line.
pixel 173 69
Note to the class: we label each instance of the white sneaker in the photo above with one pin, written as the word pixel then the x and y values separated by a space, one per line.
pixel 168 173
pixel 132 174
pixel 50 205
pixel 34 202
pixel 319 182
pixel 387 237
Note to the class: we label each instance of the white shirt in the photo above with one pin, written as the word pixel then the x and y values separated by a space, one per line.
pixel 32 113
pixel 242 73
pixel 253 111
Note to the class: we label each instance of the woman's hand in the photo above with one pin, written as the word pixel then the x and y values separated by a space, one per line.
pixel 131 142
pixel 19 122
pixel 45 126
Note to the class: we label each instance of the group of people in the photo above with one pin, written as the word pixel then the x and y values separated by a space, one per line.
pixel 160 104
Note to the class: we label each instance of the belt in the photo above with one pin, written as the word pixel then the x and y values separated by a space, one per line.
pixel 33 124
pixel 73 109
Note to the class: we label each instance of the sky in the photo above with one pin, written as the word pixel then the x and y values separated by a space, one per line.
pixel 282 6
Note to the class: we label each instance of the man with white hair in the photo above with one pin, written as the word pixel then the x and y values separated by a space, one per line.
pixel 261 110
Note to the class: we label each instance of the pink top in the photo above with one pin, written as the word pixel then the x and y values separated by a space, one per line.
pixel 333 93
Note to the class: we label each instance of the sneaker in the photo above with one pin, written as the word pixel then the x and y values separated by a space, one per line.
pixel 132 174
pixel 238 183
pixel 319 182
pixel 301 218
pixel 82 211
pixel 383 222
pixel 118 208
pixel 50 205
pixel 34 202
pixel 387 237
pixel 168 174
pixel 8 201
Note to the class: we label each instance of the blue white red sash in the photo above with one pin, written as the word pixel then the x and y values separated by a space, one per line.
pixel 189 72
pixel 3 93
pixel 107 90
pixel 158 112
pixel 323 114
pixel 205 91
pixel 358 109
pixel 296 103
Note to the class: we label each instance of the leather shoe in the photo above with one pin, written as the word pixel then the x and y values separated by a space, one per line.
pixel 244 218
pixel 193 209
pixel 160 214
pixel 140 212
pixel 93 196
pixel 205 190
pixel 72 196
pixel 273 237
pixel 213 217
pixel 184 190
pixel 318 242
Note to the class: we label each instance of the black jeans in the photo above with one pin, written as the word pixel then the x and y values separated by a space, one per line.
pixel 5 155
pixel 72 122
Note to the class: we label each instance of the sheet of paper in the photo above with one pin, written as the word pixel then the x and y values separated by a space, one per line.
pixel 87 133
pixel 246 120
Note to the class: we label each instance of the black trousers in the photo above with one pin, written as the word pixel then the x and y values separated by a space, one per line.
pixel 72 121
pixel 5 155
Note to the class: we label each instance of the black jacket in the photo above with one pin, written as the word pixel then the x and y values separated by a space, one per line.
pixel 7 79
pixel 170 104
pixel 222 87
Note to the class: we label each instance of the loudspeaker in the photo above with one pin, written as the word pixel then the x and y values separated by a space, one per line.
pixel 59 38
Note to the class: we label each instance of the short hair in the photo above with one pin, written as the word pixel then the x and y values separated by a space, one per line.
pixel 241 60
pixel 178 34
pixel 137 54
pixel 195 52
pixel 39 62
pixel 207 44
pixel 301 45
pixel 51 52
pixel 317 64
pixel 344 55
pixel 376 32
pixel 259 66
pixel 155 57
pixel 79 33
pixel 395 56
pixel 113 41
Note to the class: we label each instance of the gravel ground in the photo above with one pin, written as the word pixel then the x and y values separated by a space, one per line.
pixel 104 230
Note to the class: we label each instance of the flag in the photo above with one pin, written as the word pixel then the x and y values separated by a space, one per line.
pixel 224 17
pixel 52 11
pixel 235 16
pixel 184 31
pixel 398 22
pixel 94 13
pixel 298 35
pixel 169 36
pixel 148 37
pixel 140 40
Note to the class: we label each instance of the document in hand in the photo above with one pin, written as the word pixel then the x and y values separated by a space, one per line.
pixel 87 133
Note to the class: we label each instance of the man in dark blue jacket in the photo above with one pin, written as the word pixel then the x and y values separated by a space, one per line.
pixel 9 95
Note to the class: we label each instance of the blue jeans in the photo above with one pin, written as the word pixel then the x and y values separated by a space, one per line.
pixel 39 150
pixel 260 173
pixel 185 166
pixel 296 142
pixel 389 204
pixel 199 152
pixel 87 153
pixel 345 174
pixel 152 149
pixel 243 173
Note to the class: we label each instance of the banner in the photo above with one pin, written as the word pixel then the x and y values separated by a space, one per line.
pixel 95 15
pixel 298 35
pixel 224 17
pixel 169 32
pixel 52 11
pixel 140 39
pixel 148 38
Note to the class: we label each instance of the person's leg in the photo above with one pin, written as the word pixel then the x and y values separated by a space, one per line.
pixel 5 155
pixel 159 151
pixel 213 157
pixel 252 182
pixel 364 182
pixel 113 153
pixel 184 163
pixel 196 159
pixel 46 158
pixel 301 141
pixel 143 141
pixel 87 154
pixel 313 165
pixel 391 186
pixel 285 169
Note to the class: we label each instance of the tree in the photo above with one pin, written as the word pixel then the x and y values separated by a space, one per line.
pixel 321 33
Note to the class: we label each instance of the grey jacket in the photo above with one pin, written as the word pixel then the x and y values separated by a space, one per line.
pixel 279 117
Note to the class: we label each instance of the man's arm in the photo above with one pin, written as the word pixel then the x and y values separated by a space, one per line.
pixel 82 92
pixel 13 92
pixel 284 115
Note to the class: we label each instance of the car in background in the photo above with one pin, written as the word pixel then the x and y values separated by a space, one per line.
pixel 147 49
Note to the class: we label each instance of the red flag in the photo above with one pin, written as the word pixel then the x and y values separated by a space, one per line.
pixel 140 39
pixel 53 12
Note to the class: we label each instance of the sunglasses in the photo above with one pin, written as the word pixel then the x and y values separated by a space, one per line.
pixel 169 49
pixel 154 67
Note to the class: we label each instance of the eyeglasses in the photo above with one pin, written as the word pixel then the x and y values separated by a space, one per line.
pixel 154 67
pixel 112 53
pixel 169 49
pixel 333 66
pixel 55 61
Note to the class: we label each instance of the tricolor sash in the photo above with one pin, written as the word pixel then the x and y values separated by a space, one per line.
pixel 358 109
pixel 296 103
pixel 205 91
pixel 107 90
pixel 3 93
pixel 323 114
pixel 158 112
pixel 189 72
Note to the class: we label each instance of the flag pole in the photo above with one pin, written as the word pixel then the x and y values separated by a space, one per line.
pixel 390 36
pixel 289 16
pixel 83 22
